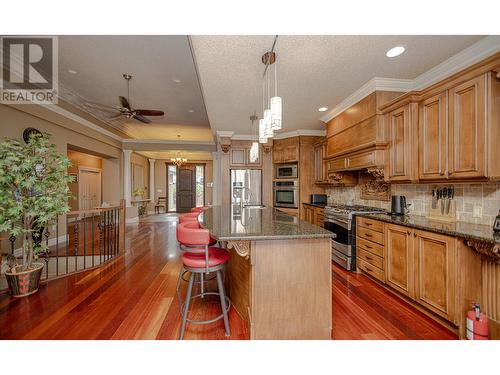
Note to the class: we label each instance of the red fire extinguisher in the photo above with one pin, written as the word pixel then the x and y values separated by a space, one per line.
pixel 477 324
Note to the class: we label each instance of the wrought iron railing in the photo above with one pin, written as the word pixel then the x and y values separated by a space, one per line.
pixel 90 239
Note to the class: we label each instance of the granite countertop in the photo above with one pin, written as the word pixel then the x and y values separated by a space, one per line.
pixel 457 229
pixel 319 205
pixel 257 223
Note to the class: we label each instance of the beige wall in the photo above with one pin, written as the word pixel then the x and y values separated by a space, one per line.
pixel 66 132
pixel 141 160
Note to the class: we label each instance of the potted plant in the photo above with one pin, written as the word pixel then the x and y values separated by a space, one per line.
pixel 33 192
pixel 139 193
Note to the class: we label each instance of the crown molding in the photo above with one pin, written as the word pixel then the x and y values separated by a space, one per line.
pixel 301 132
pixel 245 137
pixel 465 58
pixel 374 84
pixel 131 141
pixel 224 133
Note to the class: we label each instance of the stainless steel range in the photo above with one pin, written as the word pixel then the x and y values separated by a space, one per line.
pixel 341 219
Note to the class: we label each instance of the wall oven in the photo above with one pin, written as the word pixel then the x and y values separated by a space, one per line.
pixel 287 171
pixel 286 193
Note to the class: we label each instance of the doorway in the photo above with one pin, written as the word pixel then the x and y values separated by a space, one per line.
pixel 185 187
pixel 89 188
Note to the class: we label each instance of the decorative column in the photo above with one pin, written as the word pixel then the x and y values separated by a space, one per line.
pixel 127 177
pixel 152 179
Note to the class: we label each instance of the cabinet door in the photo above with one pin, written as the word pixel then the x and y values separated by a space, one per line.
pixel 238 156
pixel 435 260
pixel 278 155
pixel 432 137
pixel 399 259
pixel 466 130
pixel 318 163
pixel 291 153
pixel 401 158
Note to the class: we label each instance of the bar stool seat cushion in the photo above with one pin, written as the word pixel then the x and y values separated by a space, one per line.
pixel 216 257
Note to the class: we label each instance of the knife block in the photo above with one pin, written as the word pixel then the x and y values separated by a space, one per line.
pixel 435 213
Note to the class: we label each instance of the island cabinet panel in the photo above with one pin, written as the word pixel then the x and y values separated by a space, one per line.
pixel 399 259
pixel 435 273
pixel 403 143
pixel 432 137
pixel 466 151
pixel 283 306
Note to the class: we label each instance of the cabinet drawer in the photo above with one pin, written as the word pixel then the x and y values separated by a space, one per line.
pixel 369 246
pixel 370 270
pixel 374 260
pixel 375 225
pixel 370 235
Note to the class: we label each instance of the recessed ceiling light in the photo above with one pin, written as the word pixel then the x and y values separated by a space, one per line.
pixel 396 51
pixel 323 109
pixel 191 111
pixel 176 80
pixel 72 71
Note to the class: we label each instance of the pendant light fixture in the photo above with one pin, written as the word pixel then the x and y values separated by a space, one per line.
pixel 254 150
pixel 272 106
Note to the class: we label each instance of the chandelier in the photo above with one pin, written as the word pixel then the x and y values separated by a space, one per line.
pixel 178 161
pixel 271 105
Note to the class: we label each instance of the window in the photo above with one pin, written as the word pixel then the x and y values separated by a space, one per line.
pixel 200 185
pixel 172 188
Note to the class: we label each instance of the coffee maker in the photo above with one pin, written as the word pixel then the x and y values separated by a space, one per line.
pixel 398 205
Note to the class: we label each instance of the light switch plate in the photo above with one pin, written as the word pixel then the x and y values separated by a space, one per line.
pixel 477 211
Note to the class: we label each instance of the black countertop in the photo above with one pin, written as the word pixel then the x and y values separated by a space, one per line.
pixel 319 205
pixel 456 229
pixel 257 223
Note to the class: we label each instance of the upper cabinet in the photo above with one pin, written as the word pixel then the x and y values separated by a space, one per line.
pixel 432 138
pixel 286 150
pixel 240 157
pixel 466 130
pixel 402 148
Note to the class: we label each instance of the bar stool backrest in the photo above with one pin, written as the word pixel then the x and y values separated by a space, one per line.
pixel 190 234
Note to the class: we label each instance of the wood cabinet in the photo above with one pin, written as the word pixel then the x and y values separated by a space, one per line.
pixel 435 273
pixel 290 211
pixel 370 250
pixel 286 150
pixel 399 259
pixel 313 215
pixel 320 175
pixel 466 129
pixel 240 157
pixel 432 137
pixel 402 148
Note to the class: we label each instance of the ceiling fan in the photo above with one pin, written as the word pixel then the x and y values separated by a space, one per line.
pixel 138 114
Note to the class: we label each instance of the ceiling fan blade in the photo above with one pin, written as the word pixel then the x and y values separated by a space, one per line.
pixel 124 102
pixel 142 119
pixel 149 112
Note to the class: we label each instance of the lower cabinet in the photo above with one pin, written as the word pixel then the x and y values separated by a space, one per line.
pixel 422 266
pixel 313 215
pixel 399 259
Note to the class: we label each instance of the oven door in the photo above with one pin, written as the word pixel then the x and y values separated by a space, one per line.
pixel 285 198
pixel 339 226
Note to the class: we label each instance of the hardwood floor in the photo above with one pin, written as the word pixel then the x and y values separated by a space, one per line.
pixel 133 297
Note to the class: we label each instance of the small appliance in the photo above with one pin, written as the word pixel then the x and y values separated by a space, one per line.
pixel 319 199
pixel 286 171
pixel 398 205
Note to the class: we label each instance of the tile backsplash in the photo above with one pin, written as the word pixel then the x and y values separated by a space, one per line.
pixel 486 195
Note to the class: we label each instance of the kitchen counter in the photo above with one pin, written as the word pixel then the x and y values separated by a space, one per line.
pixel 257 223
pixel 317 205
pixel 465 230
pixel 279 271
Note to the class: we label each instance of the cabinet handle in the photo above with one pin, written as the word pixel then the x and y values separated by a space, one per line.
pixel 368 224
pixel 368 247
pixel 368 235
pixel 368 258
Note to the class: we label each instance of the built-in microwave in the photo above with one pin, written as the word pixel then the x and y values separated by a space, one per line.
pixel 286 171
pixel 286 193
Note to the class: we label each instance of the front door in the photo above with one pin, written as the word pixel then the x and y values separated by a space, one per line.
pixel 186 188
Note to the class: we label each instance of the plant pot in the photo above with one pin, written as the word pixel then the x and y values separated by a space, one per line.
pixel 23 283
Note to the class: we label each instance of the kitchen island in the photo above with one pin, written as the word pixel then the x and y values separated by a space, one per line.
pixel 279 272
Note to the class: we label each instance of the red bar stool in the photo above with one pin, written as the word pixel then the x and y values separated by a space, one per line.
pixel 208 260
pixel 190 216
pixel 198 209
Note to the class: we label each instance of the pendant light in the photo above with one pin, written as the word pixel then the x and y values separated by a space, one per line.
pixel 254 150
pixel 275 103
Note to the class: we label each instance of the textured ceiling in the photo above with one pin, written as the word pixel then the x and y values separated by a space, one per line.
pixel 154 61
pixel 314 71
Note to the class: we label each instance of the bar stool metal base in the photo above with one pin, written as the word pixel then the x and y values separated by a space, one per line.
pixel 224 300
